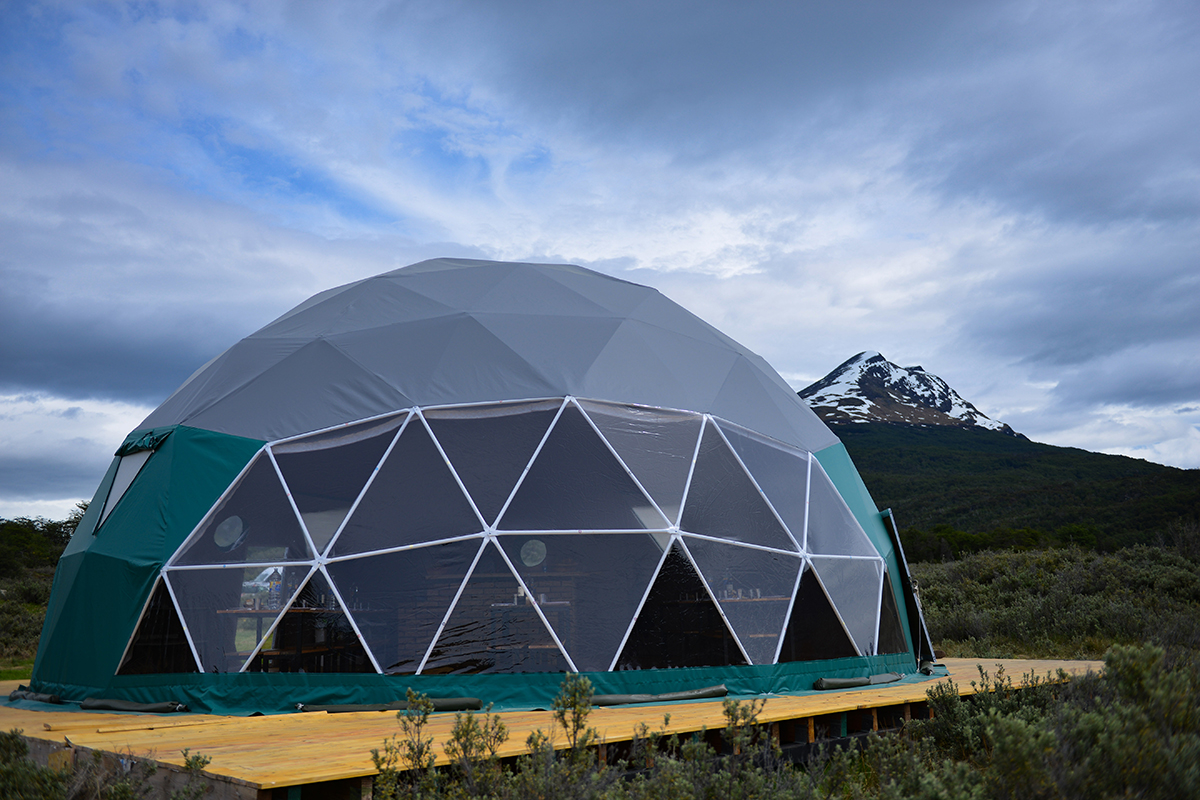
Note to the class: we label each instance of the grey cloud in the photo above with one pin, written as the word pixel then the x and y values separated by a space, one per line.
pixel 34 478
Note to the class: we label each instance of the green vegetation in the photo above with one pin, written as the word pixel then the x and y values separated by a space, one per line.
pixel 957 490
pixel 1133 731
pixel 101 777
pixel 1064 603
pixel 29 550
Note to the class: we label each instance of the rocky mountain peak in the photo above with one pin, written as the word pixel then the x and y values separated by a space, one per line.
pixel 869 388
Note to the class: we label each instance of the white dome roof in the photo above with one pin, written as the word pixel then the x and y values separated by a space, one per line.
pixel 452 331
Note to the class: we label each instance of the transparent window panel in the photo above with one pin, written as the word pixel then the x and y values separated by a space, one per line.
pixel 314 635
pixel 159 644
pixel 814 632
pixel 656 445
pixel 399 599
pixel 891 632
pixel 781 473
pixel 832 528
pixel 413 499
pixel 326 472
pixel 127 470
pixel 853 586
pixel 228 610
pixel 575 483
pixel 753 588
pixel 679 626
pixel 494 627
pixel 589 586
pixel 723 502
pixel 254 523
pixel 490 446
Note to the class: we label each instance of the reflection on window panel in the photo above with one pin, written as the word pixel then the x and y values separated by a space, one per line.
pixel 655 444
pixel 314 635
pixel 413 499
pixel 891 632
pixel 128 469
pixel 678 625
pixel 254 524
pixel 227 611
pixel 159 644
pixel 723 502
pixel 853 586
pixel 589 586
pixel 754 589
pixel 325 473
pixel 832 528
pixel 814 632
pixel 490 446
pixel 399 599
pixel 495 628
pixel 781 473
pixel 576 483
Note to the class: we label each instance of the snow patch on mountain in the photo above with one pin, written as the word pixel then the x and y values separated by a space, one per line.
pixel 869 388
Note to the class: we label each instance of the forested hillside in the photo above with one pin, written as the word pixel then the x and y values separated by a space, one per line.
pixel 956 490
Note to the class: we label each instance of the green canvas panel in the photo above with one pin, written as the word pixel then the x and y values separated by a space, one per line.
pixel 243 694
pixel 72 557
pixel 96 602
pixel 841 470
pixel 81 539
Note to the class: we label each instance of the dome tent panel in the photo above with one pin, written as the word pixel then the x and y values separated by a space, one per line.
pixel 678 624
pixel 522 292
pixel 853 584
pixel 617 296
pixel 326 473
pixel 656 445
pixel 891 632
pixel 753 588
pixel 593 584
pixel 780 472
pixel 646 364
pixel 412 499
pixel 445 361
pixel 398 600
pixel 576 483
pixel 832 528
pixel 216 606
pixel 219 378
pixel 314 635
pixel 253 523
pixel 374 301
pixel 457 282
pixel 745 395
pixel 159 643
pixel 491 445
pixel 723 501
pixel 496 626
pixel 562 348
pixel 127 469
pixel 324 387
pixel 814 630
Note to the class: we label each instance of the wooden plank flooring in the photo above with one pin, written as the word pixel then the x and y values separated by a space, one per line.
pixel 296 749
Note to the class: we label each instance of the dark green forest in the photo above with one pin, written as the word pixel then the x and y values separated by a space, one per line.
pixel 957 491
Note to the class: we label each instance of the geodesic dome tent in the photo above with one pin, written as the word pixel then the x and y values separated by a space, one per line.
pixel 472 477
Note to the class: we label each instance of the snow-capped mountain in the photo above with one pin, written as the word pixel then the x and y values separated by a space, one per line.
pixel 869 388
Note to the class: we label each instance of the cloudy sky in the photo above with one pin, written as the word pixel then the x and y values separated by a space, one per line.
pixel 1005 193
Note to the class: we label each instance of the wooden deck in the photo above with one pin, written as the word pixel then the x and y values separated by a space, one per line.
pixel 253 755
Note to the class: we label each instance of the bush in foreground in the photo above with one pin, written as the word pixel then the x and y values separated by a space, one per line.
pixel 1133 731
